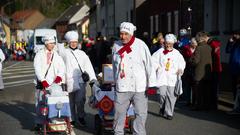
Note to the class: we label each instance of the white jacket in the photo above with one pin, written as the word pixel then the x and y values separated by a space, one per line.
pixel 73 73
pixel 137 67
pixel 57 67
pixel 2 57
pixel 176 61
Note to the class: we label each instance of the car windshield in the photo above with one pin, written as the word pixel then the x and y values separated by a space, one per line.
pixel 39 40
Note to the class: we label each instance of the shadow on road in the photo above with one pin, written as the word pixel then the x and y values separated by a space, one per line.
pixel 23 112
pixel 217 116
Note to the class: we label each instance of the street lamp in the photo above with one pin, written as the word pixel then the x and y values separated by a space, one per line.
pixel 190 20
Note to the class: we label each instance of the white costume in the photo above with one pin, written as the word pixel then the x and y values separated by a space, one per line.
pixel 41 64
pixel 2 58
pixel 166 67
pixel 132 75
pixel 76 87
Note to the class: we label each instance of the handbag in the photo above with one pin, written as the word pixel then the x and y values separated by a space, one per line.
pixel 39 83
pixel 85 75
pixel 178 87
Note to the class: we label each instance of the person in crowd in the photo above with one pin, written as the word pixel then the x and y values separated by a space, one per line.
pixel 146 39
pixel 168 64
pixel 2 58
pixel 216 69
pixel 159 44
pixel 233 47
pixel 184 39
pixel 49 68
pixel 187 77
pixel 202 62
pixel 77 63
pixel 132 68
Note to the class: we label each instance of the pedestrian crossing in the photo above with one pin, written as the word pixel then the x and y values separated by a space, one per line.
pixel 18 74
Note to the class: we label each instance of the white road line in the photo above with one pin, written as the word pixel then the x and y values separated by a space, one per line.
pixel 17 76
pixel 19 84
pixel 18 69
pixel 15 82
pixel 23 72
pixel 12 65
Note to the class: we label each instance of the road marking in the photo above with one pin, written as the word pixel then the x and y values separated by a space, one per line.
pixel 23 72
pixel 12 65
pixel 18 69
pixel 15 82
pixel 18 76
pixel 19 84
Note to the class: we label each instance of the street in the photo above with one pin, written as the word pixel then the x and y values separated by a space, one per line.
pixel 17 111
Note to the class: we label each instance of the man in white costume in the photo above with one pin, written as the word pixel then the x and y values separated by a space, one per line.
pixel 49 68
pixel 2 58
pixel 168 63
pixel 76 62
pixel 132 67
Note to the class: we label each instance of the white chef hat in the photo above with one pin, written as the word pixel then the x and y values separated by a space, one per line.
pixel 127 27
pixel 170 38
pixel 49 39
pixel 71 36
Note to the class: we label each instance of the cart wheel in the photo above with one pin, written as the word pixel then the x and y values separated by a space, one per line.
pixel 98 125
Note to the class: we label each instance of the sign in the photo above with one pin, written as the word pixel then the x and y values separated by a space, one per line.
pixel 107 73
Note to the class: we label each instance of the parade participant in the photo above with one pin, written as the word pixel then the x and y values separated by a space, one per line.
pixel 49 68
pixel 2 58
pixel 132 69
pixel 77 64
pixel 168 64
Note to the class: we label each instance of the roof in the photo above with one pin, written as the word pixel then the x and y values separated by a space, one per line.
pixel 22 15
pixel 47 23
pixel 69 13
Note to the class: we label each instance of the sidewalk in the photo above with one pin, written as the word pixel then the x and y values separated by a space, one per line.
pixel 226 99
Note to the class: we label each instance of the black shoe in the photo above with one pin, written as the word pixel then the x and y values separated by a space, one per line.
pixel 72 123
pixel 82 122
pixel 161 112
pixel 168 117
pixel 37 127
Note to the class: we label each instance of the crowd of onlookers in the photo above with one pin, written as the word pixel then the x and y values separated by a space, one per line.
pixel 19 50
pixel 203 70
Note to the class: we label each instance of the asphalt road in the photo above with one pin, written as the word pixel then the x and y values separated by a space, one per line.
pixel 17 111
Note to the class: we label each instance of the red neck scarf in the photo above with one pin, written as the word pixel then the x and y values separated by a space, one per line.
pixel 165 52
pixel 127 47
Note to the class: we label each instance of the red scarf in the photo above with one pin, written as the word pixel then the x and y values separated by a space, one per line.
pixel 127 47
pixel 165 52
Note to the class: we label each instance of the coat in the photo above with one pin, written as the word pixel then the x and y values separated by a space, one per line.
pixel 2 58
pixel 160 61
pixel 57 67
pixel 73 72
pixel 137 67
pixel 202 61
